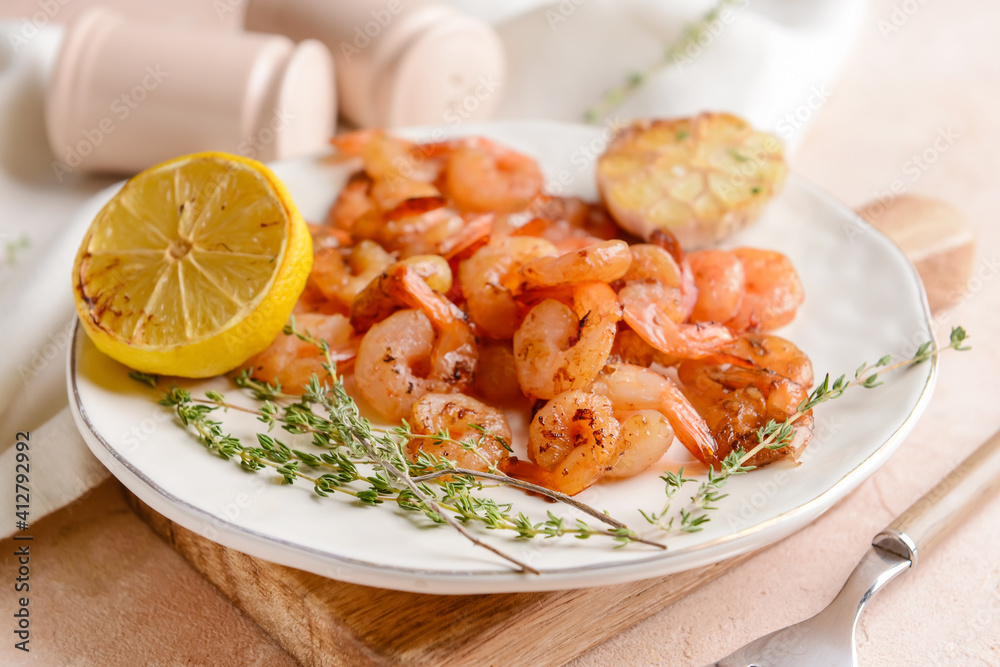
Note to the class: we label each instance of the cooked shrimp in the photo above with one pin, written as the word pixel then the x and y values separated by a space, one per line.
pixel 312 301
pixel 416 282
pixel 474 234
pixel 352 202
pixel 737 401
pixel 570 210
pixel 636 388
pixel 630 348
pixel 407 223
pixel 352 144
pixel 606 261
pixel 496 374
pixel 654 270
pixel 431 232
pixel 403 358
pixel 292 362
pixel 651 262
pixel 774 291
pixel 572 245
pixel 483 176
pixel 554 232
pixel 689 292
pixel 557 348
pixel 583 218
pixel 721 284
pixel 341 274
pixel 573 440
pixel 391 192
pixel 775 354
pixel 647 436
pixel 387 156
pixel 396 167
pixel 424 226
pixel 325 236
pixel 652 311
pixel 458 415
pixel 490 278
pixel 565 221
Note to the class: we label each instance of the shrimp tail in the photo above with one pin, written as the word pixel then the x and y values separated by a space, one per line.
pixel 470 238
pixel 526 471
pixel 689 291
pixel 689 427
pixel 689 341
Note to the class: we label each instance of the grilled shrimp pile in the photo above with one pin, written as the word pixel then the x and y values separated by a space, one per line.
pixel 454 288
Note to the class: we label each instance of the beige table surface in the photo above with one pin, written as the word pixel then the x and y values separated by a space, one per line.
pixel 107 591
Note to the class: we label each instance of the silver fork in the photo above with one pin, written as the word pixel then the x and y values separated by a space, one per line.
pixel 827 639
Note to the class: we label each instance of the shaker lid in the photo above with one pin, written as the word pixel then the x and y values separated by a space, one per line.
pixel 302 117
pixel 450 73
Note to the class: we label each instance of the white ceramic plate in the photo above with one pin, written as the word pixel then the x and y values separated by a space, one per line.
pixel 863 300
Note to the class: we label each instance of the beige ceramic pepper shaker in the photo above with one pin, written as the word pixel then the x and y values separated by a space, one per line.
pixel 399 62
pixel 125 95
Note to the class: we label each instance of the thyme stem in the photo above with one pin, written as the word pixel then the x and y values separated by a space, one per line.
pixel 405 478
pixel 541 490
pixel 350 439
pixel 777 435
pixel 437 474
pixel 867 375
pixel 617 95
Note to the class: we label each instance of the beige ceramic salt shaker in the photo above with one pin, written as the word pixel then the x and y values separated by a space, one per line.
pixel 399 62
pixel 126 95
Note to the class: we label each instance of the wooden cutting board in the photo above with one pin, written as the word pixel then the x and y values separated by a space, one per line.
pixel 326 622
pixel 323 622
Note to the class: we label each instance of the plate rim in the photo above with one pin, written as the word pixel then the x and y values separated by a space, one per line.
pixel 466 581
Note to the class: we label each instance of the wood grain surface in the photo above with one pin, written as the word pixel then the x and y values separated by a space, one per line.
pixel 936 237
pixel 323 622
pixel 331 623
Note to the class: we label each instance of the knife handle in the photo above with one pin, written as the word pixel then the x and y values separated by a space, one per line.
pixel 921 526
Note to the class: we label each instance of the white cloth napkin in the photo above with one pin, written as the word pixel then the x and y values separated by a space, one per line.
pixel 771 61
pixel 36 307
pixel 774 62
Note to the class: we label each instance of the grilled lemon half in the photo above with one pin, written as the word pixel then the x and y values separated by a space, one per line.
pixel 193 267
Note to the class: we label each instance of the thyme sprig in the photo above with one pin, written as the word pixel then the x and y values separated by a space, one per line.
pixel 776 435
pixel 350 445
pixel 690 519
pixel 13 248
pixel 371 466
pixel 439 467
pixel 425 468
pixel 145 378
pixel 674 53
